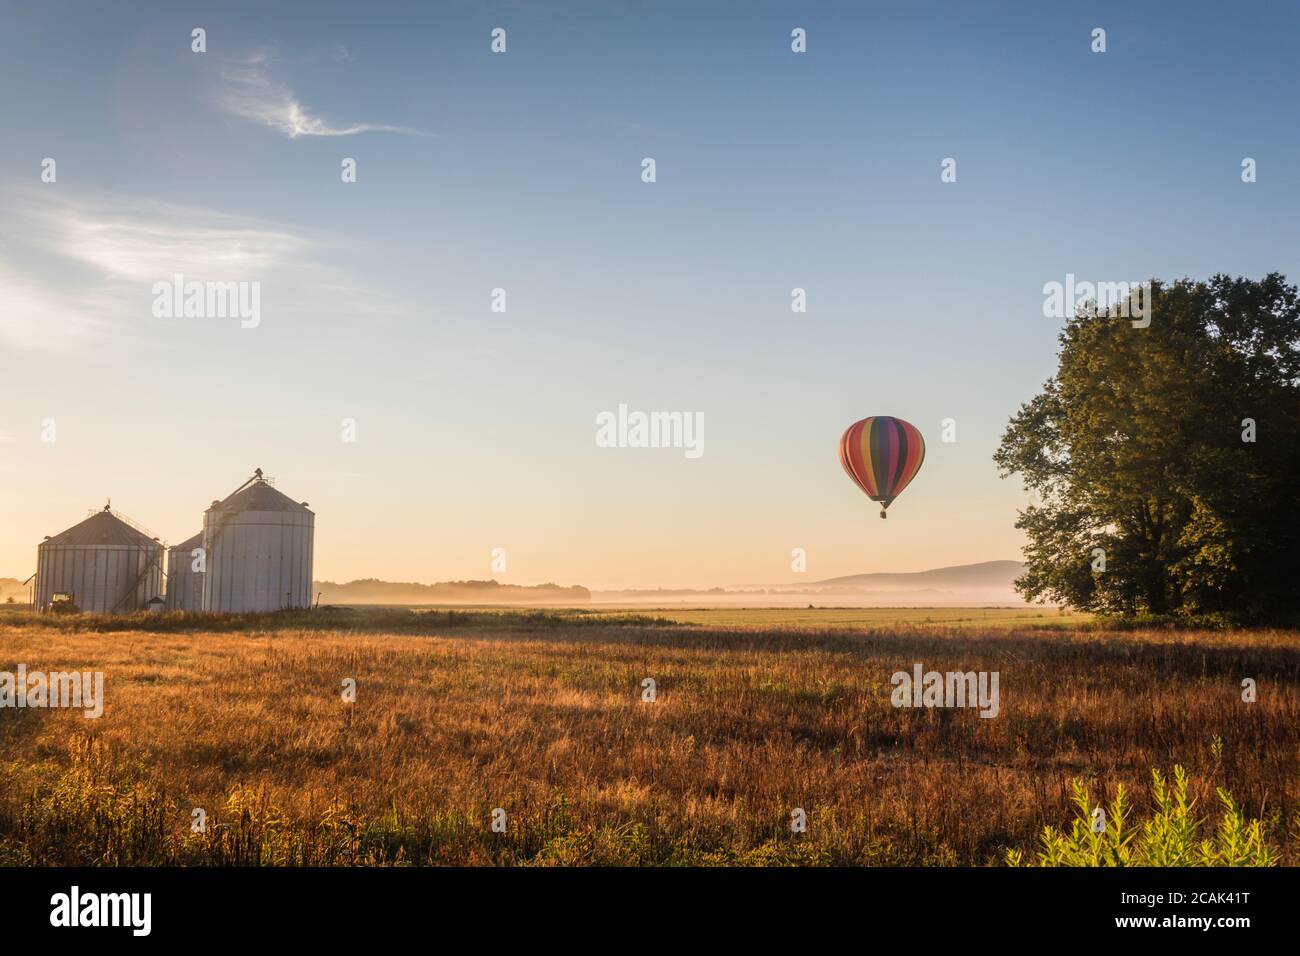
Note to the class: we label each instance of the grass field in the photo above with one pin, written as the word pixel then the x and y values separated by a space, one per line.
pixel 867 617
pixel 757 713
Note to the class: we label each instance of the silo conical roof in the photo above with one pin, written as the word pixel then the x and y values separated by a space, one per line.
pixel 260 496
pixel 103 528
pixel 189 544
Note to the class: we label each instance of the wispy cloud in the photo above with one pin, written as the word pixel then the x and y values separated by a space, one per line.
pixel 91 259
pixel 143 241
pixel 250 93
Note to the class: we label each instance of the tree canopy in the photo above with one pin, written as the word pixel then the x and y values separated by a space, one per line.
pixel 1166 460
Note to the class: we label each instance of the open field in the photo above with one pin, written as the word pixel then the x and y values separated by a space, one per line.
pixel 404 616
pixel 868 617
pixel 817 617
pixel 458 713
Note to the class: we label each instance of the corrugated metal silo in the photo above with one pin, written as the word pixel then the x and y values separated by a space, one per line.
pixel 259 550
pixel 184 584
pixel 103 564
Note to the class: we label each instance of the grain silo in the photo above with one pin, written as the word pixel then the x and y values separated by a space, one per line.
pixel 259 550
pixel 184 584
pixel 104 565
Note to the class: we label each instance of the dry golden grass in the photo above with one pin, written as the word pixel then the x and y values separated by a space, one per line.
pixel 548 723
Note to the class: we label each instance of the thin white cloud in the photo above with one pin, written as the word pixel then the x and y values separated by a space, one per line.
pixel 144 241
pixel 90 262
pixel 250 93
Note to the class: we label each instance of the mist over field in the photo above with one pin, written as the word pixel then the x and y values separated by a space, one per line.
pixel 989 583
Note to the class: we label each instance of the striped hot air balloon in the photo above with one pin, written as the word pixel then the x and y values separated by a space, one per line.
pixel 882 454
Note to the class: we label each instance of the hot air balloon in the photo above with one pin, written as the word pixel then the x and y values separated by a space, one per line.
pixel 882 454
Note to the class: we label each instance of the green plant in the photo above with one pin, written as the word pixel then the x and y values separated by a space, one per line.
pixel 1171 837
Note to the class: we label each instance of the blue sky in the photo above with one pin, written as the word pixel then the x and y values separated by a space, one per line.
pixel 522 171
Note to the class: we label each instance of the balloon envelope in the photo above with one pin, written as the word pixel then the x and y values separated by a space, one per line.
pixel 882 454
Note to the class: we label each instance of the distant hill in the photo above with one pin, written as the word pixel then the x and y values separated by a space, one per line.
pixel 983 575
pixel 986 583
pixel 12 588
pixel 374 591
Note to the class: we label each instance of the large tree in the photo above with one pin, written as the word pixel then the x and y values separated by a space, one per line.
pixel 1140 446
